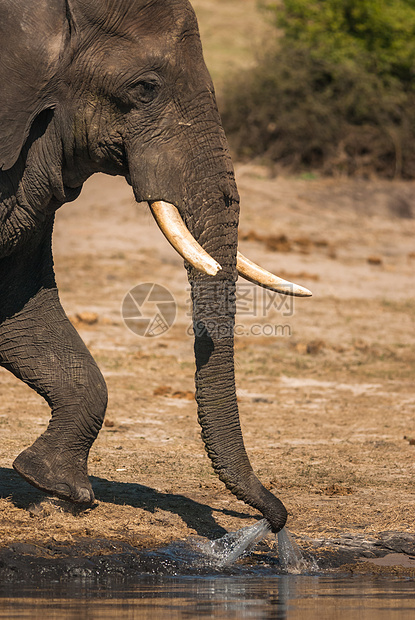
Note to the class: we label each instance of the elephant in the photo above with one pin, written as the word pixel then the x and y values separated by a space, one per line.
pixel 117 87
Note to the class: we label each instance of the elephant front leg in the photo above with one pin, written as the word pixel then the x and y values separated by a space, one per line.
pixel 40 346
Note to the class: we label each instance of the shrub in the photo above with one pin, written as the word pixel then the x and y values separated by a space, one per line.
pixel 376 34
pixel 335 93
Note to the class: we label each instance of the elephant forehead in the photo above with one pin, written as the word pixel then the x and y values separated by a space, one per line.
pixel 133 19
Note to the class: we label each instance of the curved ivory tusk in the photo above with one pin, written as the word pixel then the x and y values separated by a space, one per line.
pixel 174 229
pixel 256 274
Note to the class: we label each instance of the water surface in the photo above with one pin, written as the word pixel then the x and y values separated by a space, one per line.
pixel 197 578
pixel 288 597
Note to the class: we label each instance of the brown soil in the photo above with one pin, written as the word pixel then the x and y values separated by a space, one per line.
pixel 327 408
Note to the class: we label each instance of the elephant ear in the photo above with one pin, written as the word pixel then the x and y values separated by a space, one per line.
pixel 32 39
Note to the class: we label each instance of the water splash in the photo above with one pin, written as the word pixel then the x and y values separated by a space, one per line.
pixel 289 553
pixel 202 555
pixel 234 545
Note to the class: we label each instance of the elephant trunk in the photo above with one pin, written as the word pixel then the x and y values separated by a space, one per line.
pixel 214 307
pixel 216 399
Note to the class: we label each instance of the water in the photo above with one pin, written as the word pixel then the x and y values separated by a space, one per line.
pixel 290 597
pixel 290 555
pixel 200 579
pixel 201 556
pixel 226 550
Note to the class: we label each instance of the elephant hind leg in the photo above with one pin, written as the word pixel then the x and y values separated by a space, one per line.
pixel 40 346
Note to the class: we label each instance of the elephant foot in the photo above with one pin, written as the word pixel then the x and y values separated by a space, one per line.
pixel 56 472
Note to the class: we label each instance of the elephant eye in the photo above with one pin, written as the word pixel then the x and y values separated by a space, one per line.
pixel 146 91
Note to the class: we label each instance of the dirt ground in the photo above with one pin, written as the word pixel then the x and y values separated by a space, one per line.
pixel 326 406
pixel 325 385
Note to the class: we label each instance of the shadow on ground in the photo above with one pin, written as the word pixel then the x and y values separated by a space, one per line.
pixel 196 515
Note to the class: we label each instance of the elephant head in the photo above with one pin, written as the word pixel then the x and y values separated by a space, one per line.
pixel 122 88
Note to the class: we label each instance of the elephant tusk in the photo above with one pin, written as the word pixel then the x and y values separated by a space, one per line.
pixel 256 274
pixel 174 229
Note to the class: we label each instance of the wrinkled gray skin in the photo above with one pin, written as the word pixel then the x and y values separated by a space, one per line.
pixel 120 87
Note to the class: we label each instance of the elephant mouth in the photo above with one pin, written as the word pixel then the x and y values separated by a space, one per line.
pixel 177 234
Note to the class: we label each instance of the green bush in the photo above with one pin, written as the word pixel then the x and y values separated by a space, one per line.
pixel 337 91
pixel 376 34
